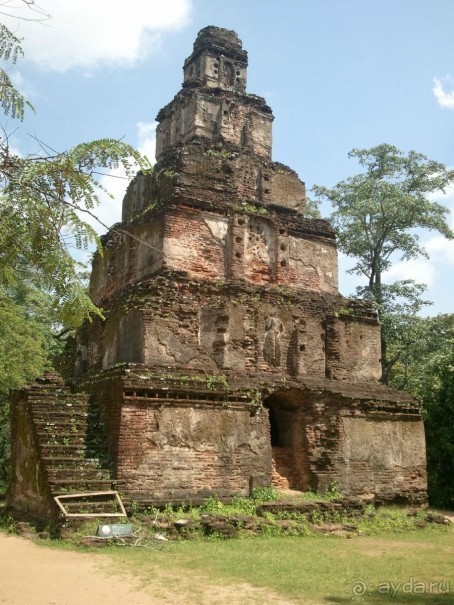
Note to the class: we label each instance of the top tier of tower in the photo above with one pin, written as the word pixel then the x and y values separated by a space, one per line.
pixel 213 104
pixel 217 61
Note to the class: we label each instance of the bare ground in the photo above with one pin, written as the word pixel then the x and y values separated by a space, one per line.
pixel 33 575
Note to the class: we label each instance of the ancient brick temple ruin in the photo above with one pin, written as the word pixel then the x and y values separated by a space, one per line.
pixel 228 360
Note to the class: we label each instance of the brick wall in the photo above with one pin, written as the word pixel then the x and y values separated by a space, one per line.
pixel 129 255
pixel 353 349
pixel 235 327
pixel 187 447
pixel 28 490
pixel 177 452
pixel 383 456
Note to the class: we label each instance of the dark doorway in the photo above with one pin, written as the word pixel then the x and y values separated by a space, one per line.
pixel 289 457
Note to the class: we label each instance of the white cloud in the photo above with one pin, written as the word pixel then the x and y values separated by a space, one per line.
pixel 348 282
pixel 421 270
pixel 445 99
pixel 441 249
pixel 446 198
pixel 22 85
pixel 109 210
pixel 91 33
pixel 147 139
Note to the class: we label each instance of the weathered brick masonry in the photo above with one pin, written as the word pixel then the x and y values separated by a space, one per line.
pixel 228 358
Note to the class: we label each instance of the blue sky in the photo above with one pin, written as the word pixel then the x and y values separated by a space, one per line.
pixel 338 74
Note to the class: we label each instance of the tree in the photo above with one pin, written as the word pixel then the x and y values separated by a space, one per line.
pixel 426 368
pixel 44 199
pixel 376 214
pixel 439 426
pixel 426 349
pixel 27 344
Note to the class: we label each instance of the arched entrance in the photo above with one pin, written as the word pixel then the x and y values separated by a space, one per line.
pixel 288 440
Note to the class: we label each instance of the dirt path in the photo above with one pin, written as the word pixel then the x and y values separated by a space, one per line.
pixel 33 575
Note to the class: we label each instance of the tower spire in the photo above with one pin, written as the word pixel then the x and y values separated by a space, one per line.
pixel 217 61
pixel 213 104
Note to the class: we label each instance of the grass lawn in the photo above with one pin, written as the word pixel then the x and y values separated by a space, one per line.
pixel 405 568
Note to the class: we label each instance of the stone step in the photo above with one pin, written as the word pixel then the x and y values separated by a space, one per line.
pixel 70 461
pixel 58 399
pixel 38 395
pixel 57 449
pixel 57 429
pixel 61 438
pixel 46 431
pixel 75 474
pixel 55 407
pixel 61 422
pixel 66 486
pixel 68 419
pixel 79 454
pixel 61 413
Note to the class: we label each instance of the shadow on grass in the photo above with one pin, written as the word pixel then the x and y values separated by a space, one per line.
pixel 397 598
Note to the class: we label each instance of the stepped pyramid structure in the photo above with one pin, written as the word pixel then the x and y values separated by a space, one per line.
pixel 228 360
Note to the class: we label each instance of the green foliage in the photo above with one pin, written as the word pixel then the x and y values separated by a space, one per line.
pixel 378 521
pixel 45 199
pixel 425 366
pixel 377 214
pixel 24 345
pixel 439 425
pixel 333 492
pixel 374 212
pixel 398 305
pixel 426 349
pixel 265 494
pixel 5 439
pixel 44 202
pixel 223 155
pixel 311 209
pixel 11 101
pixel 217 381
pixel 27 344
pixel 7 523
pixel 250 207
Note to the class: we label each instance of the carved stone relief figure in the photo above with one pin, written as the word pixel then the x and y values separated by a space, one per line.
pixel 271 345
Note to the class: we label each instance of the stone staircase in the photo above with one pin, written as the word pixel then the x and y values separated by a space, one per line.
pixel 70 441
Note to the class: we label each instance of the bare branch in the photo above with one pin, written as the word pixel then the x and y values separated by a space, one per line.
pixel 12 9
